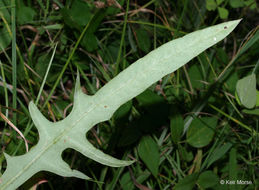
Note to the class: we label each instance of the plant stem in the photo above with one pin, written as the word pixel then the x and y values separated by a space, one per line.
pixel 122 40
pixel 14 71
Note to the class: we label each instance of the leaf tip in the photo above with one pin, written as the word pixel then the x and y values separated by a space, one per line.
pixel 38 118
pixel 124 163
pixel 7 156
pixel 32 107
pixel 80 175
pixel 78 85
pixel 232 24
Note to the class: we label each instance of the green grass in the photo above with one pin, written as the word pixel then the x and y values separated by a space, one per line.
pixel 53 41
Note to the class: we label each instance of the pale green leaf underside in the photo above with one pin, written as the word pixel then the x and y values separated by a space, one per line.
pixel 90 110
pixel 246 90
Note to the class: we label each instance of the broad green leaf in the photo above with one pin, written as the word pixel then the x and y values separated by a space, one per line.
pixel 187 183
pixel 223 56
pixel 185 155
pixel 80 12
pixel 25 14
pixel 149 153
pixel 4 12
pixel 246 91
pixel 149 98
pixel 131 40
pixel 195 75
pixel 207 179
pixel 5 38
pixel 123 110
pixel 126 182
pixel 87 111
pixel 218 153
pixel 176 125
pixel 232 81
pixel 223 13
pixel 211 5
pixel 219 2
pixel 89 40
pixel 201 131
pixel 78 15
pixel 143 40
pixel 252 112
pixel 236 3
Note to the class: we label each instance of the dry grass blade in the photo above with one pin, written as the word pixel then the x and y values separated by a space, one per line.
pixel 16 129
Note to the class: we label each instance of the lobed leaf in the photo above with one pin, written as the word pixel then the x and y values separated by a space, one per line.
pixel 90 110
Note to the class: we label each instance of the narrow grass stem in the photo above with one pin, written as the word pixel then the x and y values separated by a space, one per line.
pixel 233 119
pixel 66 64
pixel 14 66
pixel 256 66
pixel 46 74
pixel 117 66
pixel 5 88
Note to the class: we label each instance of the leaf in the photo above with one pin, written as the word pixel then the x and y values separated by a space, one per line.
pixel 143 40
pixel 5 38
pixel 25 14
pixel 236 3
pixel 185 155
pixel 149 98
pixel 211 5
pixel 4 12
pixel 252 112
pixel 126 182
pixel 187 183
pixel 123 111
pixel 201 131
pixel 78 15
pixel 232 81
pixel 207 179
pixel 149 153
pixel 219 2
pixel 176 125
pixel 246 91
pixel 195 75
pixel 218 153
pixel 90 110
pixel 89 40
pixel 131 41
pixel 223 13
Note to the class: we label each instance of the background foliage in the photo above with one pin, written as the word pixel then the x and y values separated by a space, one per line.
pixel 193 128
